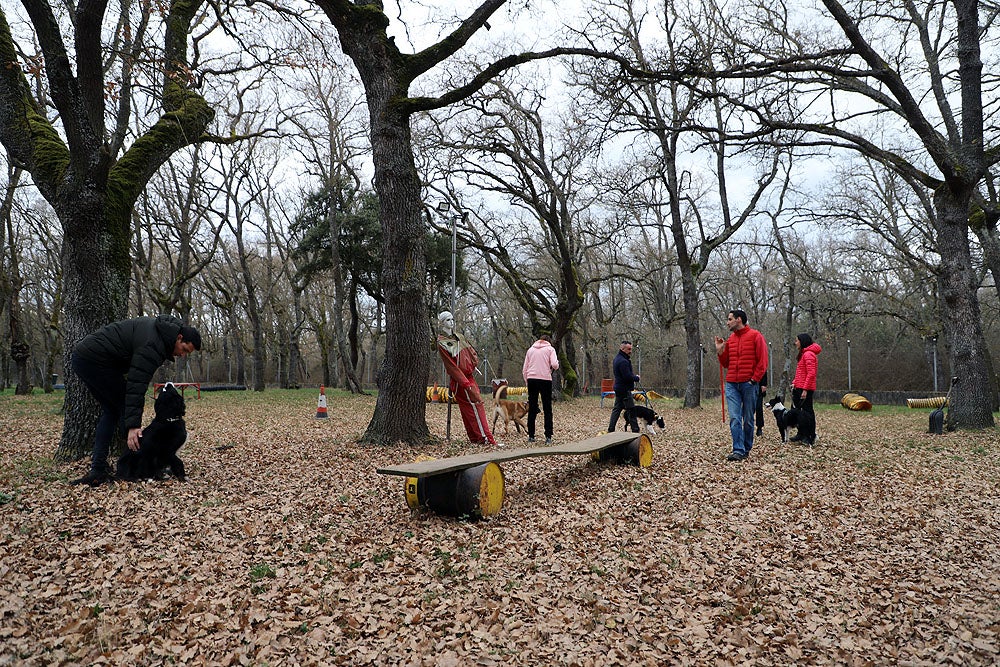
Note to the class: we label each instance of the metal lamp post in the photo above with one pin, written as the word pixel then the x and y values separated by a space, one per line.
pixel 848 364
pixel 443 208
pixel 702 370
pixel 935 365
pixel 770 363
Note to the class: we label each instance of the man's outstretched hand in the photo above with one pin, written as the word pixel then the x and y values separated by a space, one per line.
pixel 133 438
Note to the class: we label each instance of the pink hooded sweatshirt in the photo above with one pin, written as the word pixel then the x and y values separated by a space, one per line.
pixel 540 361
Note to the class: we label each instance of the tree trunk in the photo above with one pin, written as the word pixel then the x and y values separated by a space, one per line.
pixel 20 351
pixel 339 298
pixel 567 366
pixel 692 332
pixel 323 341
pixel 295 379
pixel 12 284
pixel 96 275
pixel 51 337
pixel 400 410
pixel 971 405
pixel 986 231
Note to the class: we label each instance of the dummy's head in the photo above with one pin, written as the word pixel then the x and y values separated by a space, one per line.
pixel 446 321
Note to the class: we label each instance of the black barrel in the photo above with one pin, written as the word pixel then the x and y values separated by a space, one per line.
pixel 638 452
pixel 476 492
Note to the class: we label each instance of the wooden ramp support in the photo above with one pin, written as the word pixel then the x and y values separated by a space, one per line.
pixel 473 484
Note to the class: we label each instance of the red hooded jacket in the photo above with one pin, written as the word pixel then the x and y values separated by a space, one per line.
pixel 745 356
pixel 805 371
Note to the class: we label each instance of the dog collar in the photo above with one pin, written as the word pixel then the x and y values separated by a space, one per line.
pixel 173 419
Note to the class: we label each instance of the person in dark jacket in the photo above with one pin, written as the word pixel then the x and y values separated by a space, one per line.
pixel 760 404
pixel 625 381
pixel 117 363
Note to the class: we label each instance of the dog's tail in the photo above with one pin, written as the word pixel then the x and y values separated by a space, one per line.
pixel 499 391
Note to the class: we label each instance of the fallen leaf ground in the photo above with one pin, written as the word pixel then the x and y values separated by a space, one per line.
pixel 879 546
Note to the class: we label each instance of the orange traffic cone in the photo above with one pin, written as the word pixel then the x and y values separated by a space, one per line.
pixel 321 404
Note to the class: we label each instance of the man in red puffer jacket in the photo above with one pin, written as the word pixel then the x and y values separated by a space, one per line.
pixel 744 356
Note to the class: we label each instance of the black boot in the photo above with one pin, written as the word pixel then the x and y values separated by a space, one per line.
pixel 93 478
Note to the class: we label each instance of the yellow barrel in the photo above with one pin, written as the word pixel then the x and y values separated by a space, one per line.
pixel 475 492
pixel 410 484
pixel 638 452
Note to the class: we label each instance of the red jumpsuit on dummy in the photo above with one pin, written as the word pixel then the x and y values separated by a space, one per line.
pixel 460 360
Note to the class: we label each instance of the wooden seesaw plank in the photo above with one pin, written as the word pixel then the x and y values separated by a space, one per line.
pixel 441 466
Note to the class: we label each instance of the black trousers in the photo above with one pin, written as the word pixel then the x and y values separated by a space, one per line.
pixel 623 402
pixel 802 399
pixel 760 409
pixel 108 387
pixel 538 388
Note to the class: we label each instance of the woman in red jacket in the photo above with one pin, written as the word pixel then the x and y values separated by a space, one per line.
pixel 804 384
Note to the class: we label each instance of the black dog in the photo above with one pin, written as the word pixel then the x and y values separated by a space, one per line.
pixel 159 443
pixel 648 415
pixel 803 421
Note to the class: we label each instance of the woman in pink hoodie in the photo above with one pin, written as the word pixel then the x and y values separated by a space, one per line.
pixel 539 362
pixel 804 384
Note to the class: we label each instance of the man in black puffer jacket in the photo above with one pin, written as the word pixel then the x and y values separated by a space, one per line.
pixel 117 363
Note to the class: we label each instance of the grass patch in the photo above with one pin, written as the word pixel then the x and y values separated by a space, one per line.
pixel 262 571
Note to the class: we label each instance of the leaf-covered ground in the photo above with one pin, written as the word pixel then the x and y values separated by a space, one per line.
pixel 879 546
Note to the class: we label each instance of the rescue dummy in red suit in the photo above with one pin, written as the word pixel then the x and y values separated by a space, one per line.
pixel 460 360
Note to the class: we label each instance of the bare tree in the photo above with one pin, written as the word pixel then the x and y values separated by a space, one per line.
pixel 676 116
pixel 245 189
pixel 387 75
pixel 174 236
pixel 12 281
pixel 331 140
pixel 82 167
pixel 506 143
pixel 887 98
pixel 222 287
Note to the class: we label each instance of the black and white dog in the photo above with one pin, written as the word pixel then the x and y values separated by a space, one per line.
pixel 803 421
pixel 648 415
pixel 159 443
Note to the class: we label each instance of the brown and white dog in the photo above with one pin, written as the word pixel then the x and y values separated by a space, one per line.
pixel 511 411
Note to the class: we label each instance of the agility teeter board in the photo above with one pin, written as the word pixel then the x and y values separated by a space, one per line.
pixel 437 478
